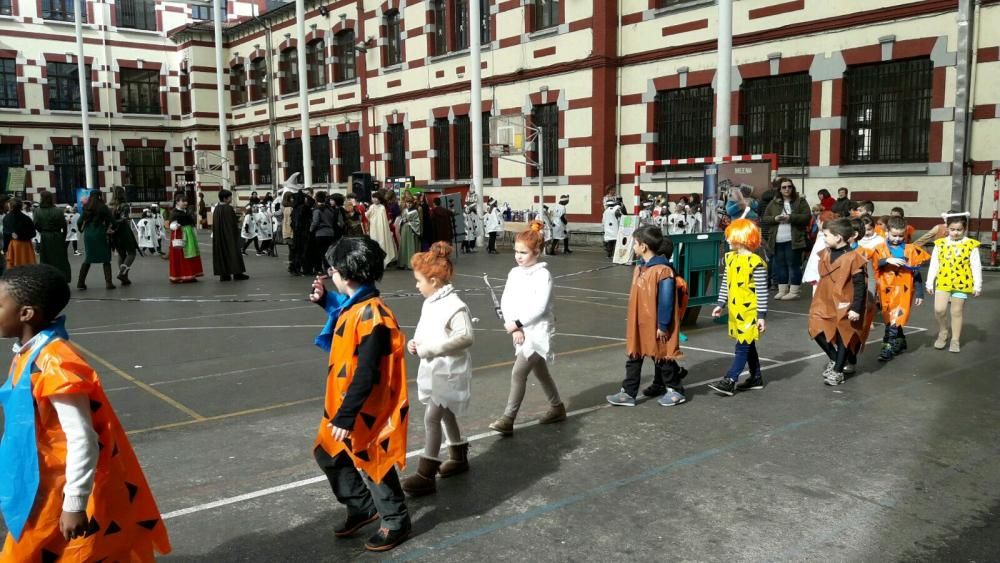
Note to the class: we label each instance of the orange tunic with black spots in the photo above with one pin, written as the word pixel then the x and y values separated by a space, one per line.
pixel 125 523
pixel 378 440
pixel 894 285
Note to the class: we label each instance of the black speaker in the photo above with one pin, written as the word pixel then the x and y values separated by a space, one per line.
pixel 362 185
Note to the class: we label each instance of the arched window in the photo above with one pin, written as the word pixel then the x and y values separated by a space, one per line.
pixel 288 64
pixel 344 66
pixel 258 73
pixel 237 85
pixel 316 63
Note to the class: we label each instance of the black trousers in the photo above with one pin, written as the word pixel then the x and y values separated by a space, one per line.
pixel 360 494
pixel 493 242
pixel 609 247
pixel 838 352
pixel 666 373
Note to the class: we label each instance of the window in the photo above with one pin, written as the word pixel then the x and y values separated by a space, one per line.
pixel 140 90
pixel 293 158
pixel 888 109
pixel 262 157
pixel 144 170
pixel 546 14
pixel 670 3
pixel 64 86
pixel 237 85
pixel 344 68
pixel 487 159
pixel 6 8
pixel 185 91
pixel 319 146
pixel 68 167
pixel 460 23
pixel 350 154
pixel 60 10
pixel 484 22
pixel 440 27
pixel 775 116
pixel 8 83
pixel 396 144
pixel 394 38
pixel 136 14
pixel 10 157
pixel 204 11
pixel 683 120
pixel 288 65
pixel 316 64
pixel 241 153
pixel 546 117
pixel 442 146
pixel 258 74
pixel 463 147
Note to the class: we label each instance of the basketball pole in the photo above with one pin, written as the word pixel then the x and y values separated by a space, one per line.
pixel 84 82
pixel 724 72
pixel 220 99
pixel 477 113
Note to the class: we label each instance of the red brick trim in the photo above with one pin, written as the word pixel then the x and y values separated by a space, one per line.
pixel 783 8
pixel 685 27
pixel 548 51
pixel 889 195
pixel 988 54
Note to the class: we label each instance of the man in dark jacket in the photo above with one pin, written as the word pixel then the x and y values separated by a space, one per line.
pixel 227 259
pixel 842 207
pixel 442 222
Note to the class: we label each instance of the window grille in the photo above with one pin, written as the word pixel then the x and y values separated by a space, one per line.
pixel 775 116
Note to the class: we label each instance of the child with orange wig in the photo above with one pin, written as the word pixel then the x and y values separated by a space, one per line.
pixel 744 292
pixel 444 378
pixel 526 306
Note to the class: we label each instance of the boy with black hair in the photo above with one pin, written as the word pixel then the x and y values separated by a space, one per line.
pixel 361 439
pixel 866 208
pixel 76 491
pixel 908 233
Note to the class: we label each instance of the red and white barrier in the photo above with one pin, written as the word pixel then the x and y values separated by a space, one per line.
pixel 642 165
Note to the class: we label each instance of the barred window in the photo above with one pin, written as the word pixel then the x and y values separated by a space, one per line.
pixel 350 154
pixel 136 14
pixel 394 38
pixel 463 147
pixel 144 170
pixel 185 76
pixel 315 64
pixel 262 158
pixel 5 7
pixel 64 86
pixel 10 157
pixel 487 159
pixel 442 147
pixel 888 109
pixel 62 10
pixel 775 116
pixel 546 14
pixel 258 74
pixel 440 27
pixel 460 23
pixel 140 90
pixel 683 120
pixel 237 85
pixel 319 146
pixel 293 158
pixel 288 64
pixel 204 11
pixel 669 3
pixel 68 167
pixel 241 153
pixel 546 117
pixel 345 67
pixel 8 83
pixel 396 143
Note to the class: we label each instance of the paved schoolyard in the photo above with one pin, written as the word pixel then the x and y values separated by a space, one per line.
pixel 221 389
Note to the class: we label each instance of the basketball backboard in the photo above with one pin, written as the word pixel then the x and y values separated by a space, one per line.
pixel 507 135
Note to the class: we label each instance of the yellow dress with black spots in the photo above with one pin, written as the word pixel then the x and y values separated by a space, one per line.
pixel 742 296
pixel 954 268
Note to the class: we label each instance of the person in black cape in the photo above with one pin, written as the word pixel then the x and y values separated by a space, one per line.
pixel 227 260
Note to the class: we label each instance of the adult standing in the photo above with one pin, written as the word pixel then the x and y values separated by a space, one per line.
pixel 379 229
pixel 202 210
pixel 50 221
pixel 441 223
pixel 842 207
pixel 287 232
pixel 185 256
pixel 427 238
pixel 326 228
pixel 122 239
pixel 826 200
pixel 494 226
pixel 409 231
pixel 765 200
pixel 95 224
pixel 227 258
pixel 18 232
pixel 788 217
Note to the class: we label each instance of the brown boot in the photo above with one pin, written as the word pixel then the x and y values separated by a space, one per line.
pixel 554 414
pixel 458 460
pixel 423 482
pixel 504 425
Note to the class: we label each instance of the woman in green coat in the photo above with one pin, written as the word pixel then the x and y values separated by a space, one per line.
pixel 95 224
pixel 50 222
pixel 787 219
pixel 409 231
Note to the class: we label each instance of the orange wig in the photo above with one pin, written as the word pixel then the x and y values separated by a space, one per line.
pixel 435 263
pixel 745 233
pixel 532 237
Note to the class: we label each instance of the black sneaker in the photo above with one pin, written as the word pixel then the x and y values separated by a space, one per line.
pixel 654 391
pixel 752 383
pixel 886 354
pixel 682 373
pixel 386 539
pixel 899 346
pixel 354 523
pixel 724 386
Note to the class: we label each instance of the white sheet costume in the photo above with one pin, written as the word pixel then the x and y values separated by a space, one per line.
pixel 380 231
pixel 146 228
pixel 527 297
pixel 443 338
pixel 72 230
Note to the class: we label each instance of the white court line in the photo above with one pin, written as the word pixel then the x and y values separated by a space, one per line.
pixel 475 438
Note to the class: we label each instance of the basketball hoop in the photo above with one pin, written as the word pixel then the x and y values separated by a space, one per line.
pixel 507 135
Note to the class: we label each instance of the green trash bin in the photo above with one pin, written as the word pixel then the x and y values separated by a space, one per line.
pixel 697 258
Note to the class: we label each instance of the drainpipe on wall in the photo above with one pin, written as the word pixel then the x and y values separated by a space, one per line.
pixel 962 98
pixel 220 94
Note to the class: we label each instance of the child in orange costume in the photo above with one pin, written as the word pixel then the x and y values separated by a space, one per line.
pixel 899 285
pixel 361 439
pixel 71 488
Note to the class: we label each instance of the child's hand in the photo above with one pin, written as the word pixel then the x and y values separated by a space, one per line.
pixel 411 346
pixel 339 434
pixel 511 327
pixel 930 290
pixel 661 336
pixel 918 302
pixel 717 312
pixel 318 289
pixel 898 262
pixel 852 316
pixel 73 525
pixel 518 337
pixel 761 325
